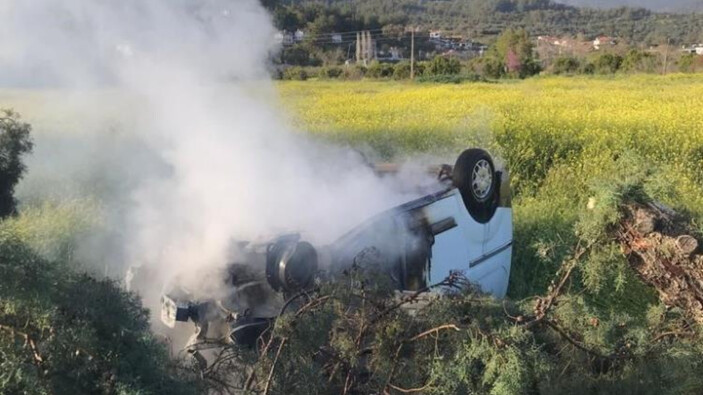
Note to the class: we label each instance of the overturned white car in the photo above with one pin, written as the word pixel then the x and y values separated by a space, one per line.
pixel 464 226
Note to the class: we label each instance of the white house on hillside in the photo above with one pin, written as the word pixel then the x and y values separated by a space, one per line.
pixel 603 41
pixel 299 35
pixel 283 37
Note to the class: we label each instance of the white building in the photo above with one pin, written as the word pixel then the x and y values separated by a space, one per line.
pixel 283 37
pixel 602 41
pixel 336 38
pixel 299 35
pixel 693 49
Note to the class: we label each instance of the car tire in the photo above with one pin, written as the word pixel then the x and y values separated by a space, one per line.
pixel 475 177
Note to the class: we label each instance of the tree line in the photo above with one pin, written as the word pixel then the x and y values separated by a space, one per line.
pixel 512 55
pixel 485 19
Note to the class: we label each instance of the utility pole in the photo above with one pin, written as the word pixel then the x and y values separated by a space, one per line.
pixel 358 47
pixel 369 46
pixel 412 54
pixel 666 55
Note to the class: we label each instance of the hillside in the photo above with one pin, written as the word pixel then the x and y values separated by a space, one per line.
pixel 483 19
pixel 654 5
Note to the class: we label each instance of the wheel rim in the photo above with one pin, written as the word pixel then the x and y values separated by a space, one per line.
pixel 481 180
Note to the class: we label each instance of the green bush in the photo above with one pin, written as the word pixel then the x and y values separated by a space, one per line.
pixel 379 70
pixel 443 65
pixel 353 73
pixel 607 63
pixel 295 73
pixel 640 61
pixel 15 143
pixel 587 68
pixel 487 67
pixel 565 65
pixel 450 78
pixel 690 63
pixel 330 72
pixel 66 333
pixel 401 71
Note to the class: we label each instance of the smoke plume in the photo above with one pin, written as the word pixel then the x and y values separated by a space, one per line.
pixel 166 113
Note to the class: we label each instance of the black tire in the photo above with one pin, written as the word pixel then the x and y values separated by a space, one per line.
pixel 480 194
pixel 290 265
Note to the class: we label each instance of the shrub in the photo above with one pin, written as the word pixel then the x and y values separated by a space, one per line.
pixel 690 63
pixel 15 143
pixel 442 65
pixel 353 73
pixel 565 65
pixel 487 67
pixel 607 63
pixel 330 72
pixel 587 68
pixel 379 70
pixel 639 61
pixel 295 73
pixel 401 71
pixel 67 333
pixel 450 78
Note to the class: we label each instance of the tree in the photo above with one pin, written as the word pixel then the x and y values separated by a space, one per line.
pixel 401 71
pixel 298 55
pixel 565 65
pixel 607 63
pixel 443 65
pixel 686 63
pixel 639 61
pixel 487 67
pixel 514 51
pixel 15 142
pixel 285 19
pixel 379 70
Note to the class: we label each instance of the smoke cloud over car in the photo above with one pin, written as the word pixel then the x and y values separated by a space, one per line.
pixel 171 105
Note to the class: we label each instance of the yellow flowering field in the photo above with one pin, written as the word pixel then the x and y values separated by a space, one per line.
pixel 645 109
pixel 534 125
pixel 561 138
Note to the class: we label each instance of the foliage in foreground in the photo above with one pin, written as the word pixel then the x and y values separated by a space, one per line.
pixel 67 333
pixel 15 142
pixel 570 144
pixel 595 329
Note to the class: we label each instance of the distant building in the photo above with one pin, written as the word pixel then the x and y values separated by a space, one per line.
pixel 392 54
pixel 435 34
pixel 602 41
pixel 283 37
pixel 551 40
pixel 693 49
pixel 336 38
pixel 299 35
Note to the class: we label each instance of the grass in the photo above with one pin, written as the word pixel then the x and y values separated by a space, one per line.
pixel 560 137
pixel 565 141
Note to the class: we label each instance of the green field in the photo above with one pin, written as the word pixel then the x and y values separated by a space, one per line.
pixel 575 149
pixel 559 137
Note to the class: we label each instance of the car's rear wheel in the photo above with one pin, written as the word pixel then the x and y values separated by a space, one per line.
pixel 475 176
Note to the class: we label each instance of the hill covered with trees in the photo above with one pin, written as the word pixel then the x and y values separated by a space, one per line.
pixel 485 19
pixel 654 5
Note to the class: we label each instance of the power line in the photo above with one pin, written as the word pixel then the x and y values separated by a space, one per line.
pixel 348 40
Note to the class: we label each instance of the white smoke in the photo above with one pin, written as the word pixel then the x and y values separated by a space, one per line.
pixel 173 107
